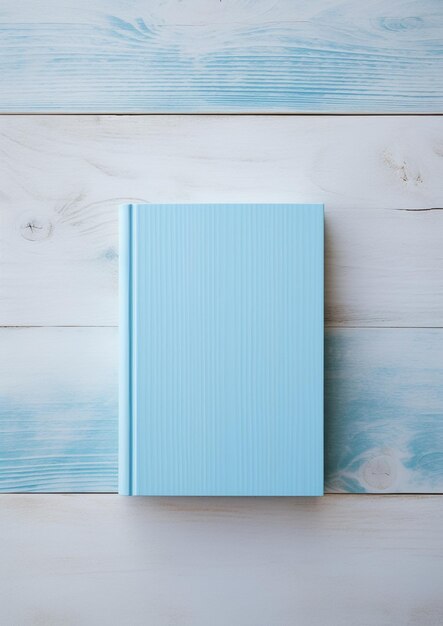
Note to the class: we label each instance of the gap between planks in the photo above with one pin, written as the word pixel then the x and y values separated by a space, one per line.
pixel 403 495
pixel 218 114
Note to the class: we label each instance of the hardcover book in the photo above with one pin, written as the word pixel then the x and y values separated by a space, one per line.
pixel 221 346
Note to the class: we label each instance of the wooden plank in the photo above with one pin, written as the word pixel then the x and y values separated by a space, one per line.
pixel 101 559
pixel 383 400
pixel 289 55
pixel 384 410
pixel 63 177
pixel 384 268
pixel 58 408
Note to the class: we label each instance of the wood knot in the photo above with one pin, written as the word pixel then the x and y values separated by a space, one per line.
pixel 379 472
pixel 36 229
pixel 401 23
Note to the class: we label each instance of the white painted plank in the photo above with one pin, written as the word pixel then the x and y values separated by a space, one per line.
pixel 58 409
pixel 384 267
pixel 340 560
pixel 61 179
pixel 230 56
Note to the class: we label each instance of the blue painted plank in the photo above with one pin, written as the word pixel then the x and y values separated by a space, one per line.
pixel 58 409
pixel 222 349
pixel 266 56
pixel 384 410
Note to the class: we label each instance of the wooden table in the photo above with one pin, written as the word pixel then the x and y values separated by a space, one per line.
pixel 230 101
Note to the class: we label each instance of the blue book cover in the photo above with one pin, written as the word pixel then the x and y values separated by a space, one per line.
pixel 221 349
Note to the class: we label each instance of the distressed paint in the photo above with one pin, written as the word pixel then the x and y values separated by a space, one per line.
pixel 384 410
pixel 63 177
pixel 103 559
pixel 383 401
pixel 59 243
pixel 58 409
pixel 230 56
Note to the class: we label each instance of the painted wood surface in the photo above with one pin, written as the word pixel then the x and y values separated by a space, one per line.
pixel 384 410
pixel 58 409
pixel 87 560
pixel 230 56
pixel 383 401
pixel 62 178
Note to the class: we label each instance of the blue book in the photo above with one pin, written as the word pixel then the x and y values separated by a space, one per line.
pixel 221 386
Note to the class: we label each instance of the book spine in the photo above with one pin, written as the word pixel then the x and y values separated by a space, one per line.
pixel 125 352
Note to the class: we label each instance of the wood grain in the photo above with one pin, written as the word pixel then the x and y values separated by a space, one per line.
pixel 62 178
pixel 383 402
pixel 61 181
pixel 384 268
pixel 58 408
pixel 88 560
pixel 230 56
pixel 384 410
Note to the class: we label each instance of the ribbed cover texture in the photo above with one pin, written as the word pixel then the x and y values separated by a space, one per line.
pixel 221 388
